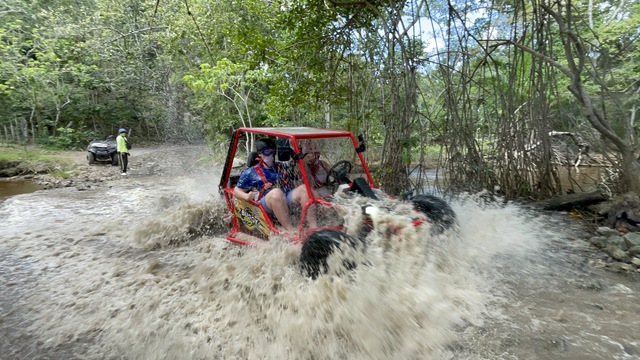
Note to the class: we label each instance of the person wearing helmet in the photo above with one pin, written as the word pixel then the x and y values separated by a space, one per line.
pixel 270 184
pixel 123 150
pixel 317 169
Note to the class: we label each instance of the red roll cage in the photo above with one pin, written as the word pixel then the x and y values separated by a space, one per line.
pixel 294 135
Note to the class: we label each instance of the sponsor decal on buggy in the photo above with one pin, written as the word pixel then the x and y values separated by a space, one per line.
pixel 251 218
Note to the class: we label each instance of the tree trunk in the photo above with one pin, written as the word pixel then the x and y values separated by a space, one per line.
pixel 402 111
pixel 14 136
pixel 576 56
pixel 32 125
pixel 572 201
pixel 631 171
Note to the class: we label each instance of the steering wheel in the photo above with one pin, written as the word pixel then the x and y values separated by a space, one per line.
pixel 338 173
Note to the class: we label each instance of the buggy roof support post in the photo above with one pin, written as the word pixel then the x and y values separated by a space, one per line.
pixel 228 163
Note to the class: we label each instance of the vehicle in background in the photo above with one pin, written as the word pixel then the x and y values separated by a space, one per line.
pixel 103 151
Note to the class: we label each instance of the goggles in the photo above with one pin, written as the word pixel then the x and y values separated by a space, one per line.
pixel 267 151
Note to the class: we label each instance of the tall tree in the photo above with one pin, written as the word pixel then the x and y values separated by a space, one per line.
pixel 592 77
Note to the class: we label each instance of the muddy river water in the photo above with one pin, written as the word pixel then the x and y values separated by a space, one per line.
pixel 14 187
pixel 138 268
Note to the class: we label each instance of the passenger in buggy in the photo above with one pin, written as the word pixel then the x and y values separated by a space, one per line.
pixel 318 170
pixel 269 183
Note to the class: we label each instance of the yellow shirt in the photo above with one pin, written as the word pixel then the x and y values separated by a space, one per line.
pixel 121 145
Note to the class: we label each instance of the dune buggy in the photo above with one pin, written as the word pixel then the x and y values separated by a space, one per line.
pixel 347 186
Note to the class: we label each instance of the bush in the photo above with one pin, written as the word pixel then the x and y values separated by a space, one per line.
pixel 67 139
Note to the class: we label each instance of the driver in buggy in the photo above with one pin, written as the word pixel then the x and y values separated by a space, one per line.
pixel 269 183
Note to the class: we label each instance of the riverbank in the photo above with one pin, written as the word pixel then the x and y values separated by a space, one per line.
pixel 24 161
pixel 52 169
pixel 59 169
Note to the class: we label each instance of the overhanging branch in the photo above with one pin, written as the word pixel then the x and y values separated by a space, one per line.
pixel 152 28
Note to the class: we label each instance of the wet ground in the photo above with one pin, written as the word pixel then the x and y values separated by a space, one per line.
pixel 137 267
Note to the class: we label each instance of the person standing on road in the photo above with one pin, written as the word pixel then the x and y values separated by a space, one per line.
pixel 123 150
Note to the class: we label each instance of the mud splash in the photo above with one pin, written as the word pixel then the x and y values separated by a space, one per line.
pixel 148 274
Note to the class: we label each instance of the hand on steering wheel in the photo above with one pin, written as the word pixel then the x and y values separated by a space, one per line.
pixel 338 173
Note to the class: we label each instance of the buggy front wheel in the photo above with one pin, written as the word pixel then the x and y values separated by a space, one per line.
pixel 437 211
pixel 319 246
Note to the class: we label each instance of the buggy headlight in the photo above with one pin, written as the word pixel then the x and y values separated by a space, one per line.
pixel 370 210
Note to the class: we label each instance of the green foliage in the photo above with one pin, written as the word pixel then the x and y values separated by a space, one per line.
pixel 54 72
pixel 184 70
pixel 61 174
pixel 19 153
pixel 67 138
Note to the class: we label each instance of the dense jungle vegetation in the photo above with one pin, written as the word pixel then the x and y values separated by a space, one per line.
pixel 486 85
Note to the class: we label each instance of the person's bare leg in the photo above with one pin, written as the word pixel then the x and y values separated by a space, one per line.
pixel 277 202
pixel 301 197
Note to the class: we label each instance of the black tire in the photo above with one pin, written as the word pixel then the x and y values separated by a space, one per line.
pixel 436 210
pixel 319 246
pixel 115 160
pixel 91 157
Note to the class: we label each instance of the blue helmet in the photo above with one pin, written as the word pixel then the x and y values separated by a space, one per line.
pixel 122 130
